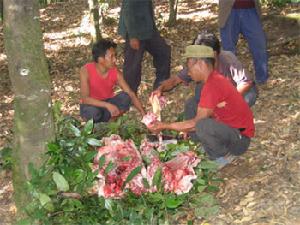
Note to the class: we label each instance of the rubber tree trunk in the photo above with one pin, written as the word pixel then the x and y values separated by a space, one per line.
pixel 1 10
pixel 94 18
pixel 173 12
pixel 28 72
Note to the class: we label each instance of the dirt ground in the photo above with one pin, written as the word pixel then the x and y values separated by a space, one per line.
pixel 262 186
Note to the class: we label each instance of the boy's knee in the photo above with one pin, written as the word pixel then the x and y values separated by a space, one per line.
pixel 125 101
pixel 89 112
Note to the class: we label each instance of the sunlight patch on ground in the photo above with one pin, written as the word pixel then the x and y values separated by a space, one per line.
pixel 7 99
pixel 197 16
pixel 72 37
pixel 3 58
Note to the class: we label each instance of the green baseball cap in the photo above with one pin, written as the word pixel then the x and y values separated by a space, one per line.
pixel 198 51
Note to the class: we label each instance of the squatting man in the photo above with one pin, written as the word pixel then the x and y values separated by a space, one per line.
pixel 223 122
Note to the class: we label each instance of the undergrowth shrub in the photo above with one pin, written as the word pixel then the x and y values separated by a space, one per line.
pixel 61 188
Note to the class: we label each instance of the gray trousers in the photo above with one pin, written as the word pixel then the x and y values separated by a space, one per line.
pixel 100 114
pixel 217 138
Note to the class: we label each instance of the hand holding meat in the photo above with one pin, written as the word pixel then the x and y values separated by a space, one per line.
pixel 156 92
pixel 156 127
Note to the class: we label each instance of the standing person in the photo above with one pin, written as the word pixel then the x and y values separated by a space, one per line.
pixel 97 82
pixel 243 16
pixel 138 28
pixel 224 122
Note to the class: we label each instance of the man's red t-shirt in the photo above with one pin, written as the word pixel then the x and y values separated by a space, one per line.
pixel 101 88
pixel 232 109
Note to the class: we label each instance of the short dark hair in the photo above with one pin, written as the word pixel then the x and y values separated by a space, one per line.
pixel 208 39
pixel 100 47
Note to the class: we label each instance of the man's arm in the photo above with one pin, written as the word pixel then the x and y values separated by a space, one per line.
pixel 167 85
pixel 85 92
pixel 240 75
pixel 124 86
pixel 184 126
pixel 244 87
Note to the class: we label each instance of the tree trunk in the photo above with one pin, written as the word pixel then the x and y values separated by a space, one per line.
pixel 94 18
pixel 1 10
pixel 173 12
pixel 28 72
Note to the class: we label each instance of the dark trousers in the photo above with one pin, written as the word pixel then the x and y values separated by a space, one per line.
pixel 161 53
pixel 219 139
pixel 100 114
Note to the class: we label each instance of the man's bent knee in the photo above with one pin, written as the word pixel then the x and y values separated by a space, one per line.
pixel 203 127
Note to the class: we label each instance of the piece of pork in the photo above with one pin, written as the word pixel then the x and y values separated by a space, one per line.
pixel 177 174
pixel 124 157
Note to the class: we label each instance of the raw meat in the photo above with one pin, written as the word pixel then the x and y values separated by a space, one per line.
pixel 123 157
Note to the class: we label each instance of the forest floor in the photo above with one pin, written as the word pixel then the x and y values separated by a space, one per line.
pixel 260 187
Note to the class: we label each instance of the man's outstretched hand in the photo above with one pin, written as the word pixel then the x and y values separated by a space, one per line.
pixel 156 127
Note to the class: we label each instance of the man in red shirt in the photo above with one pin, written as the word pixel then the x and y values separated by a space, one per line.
pixel 97 82
pixel 224 122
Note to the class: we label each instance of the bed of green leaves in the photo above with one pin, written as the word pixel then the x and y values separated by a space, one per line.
pixel 61 187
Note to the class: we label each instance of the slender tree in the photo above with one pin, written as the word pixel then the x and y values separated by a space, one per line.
pixel 1 10
pixel 94 18
pixel 28 72
pixel 172 12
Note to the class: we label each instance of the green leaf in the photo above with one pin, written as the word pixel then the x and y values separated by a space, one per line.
pixel 201 188
pixel 146 160
pixel 157 178
pixel 88 128
pixel 206 212
pixel 109 204
pixel 43 198
pixel 132 174
pixel 93 142
pixel 210 165
pixel 127 158
pixel 24 222
pixel 146 183
pixel 155 197
pixel 134 218
pixel 71 205
pixel 201 181
pixel 101 161
pixel 75 130
pixel 89 156
pixel 213 188
pixel 33 172
pixel 79 175
pixel 173 202
pixel 149 214
pixel 205 199
pixel 49 206
pixel 109 167
pixel 190 222
pixel 61 183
